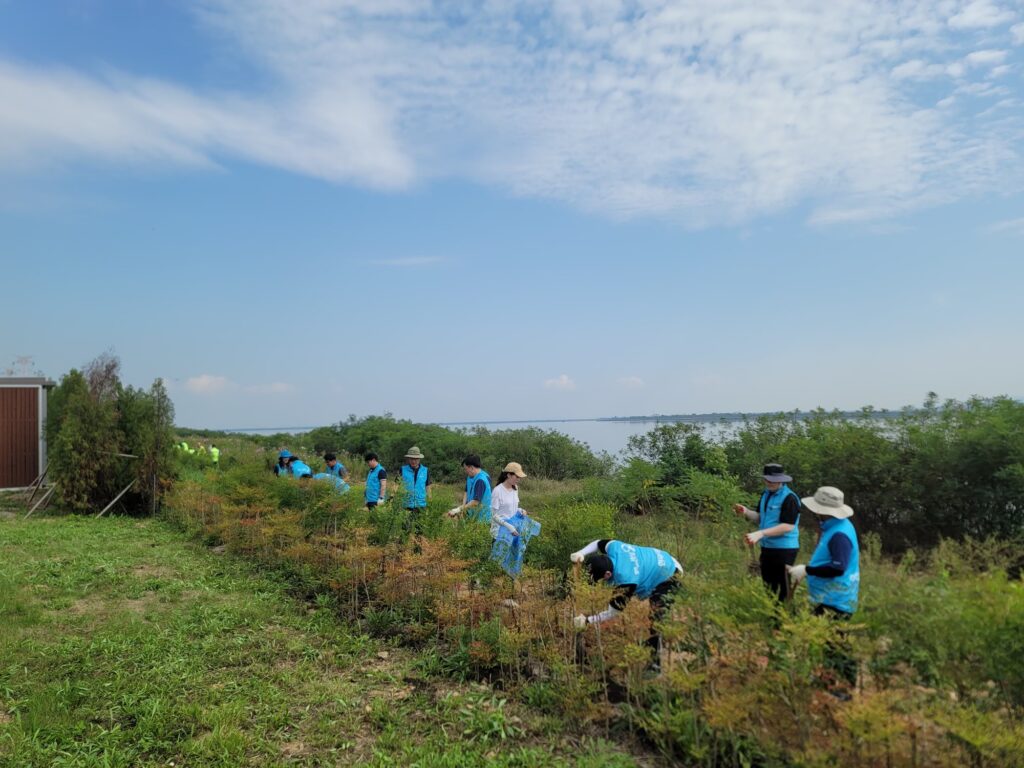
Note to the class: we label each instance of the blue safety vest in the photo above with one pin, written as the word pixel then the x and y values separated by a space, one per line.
pixel 373 484
pixel 483 512
pixel 339 485
pixel 300 469
pixel 839 592
pixel 338 470
pixel 415 490
pixel 771 510
pixel 646 567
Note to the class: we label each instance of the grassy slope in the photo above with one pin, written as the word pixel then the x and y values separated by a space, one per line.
pixel 120 645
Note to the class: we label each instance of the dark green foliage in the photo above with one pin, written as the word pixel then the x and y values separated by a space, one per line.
pixel 949 470
pixel 543 453
pixel 92 418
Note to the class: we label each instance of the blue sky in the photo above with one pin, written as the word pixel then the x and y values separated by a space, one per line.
pixel 460 211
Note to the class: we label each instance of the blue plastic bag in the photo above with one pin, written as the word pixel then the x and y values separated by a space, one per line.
pixel 508 550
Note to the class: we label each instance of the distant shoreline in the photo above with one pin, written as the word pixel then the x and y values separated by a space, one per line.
pixel 690 418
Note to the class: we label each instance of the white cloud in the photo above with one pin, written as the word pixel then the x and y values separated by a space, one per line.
pixel 631 382
pixel 986 58
pixel 1017 34
pixel 708 111
pixel 208 384
pixel 981 14
pixel 562 382
pixel 52 115
pixel 1012 226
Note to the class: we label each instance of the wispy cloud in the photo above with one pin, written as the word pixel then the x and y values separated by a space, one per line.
pixel 208 384
pixel 1012 226
pixel 562 383
pixel 707 111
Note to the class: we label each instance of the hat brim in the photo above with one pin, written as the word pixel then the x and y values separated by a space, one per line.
pixel 778 478
pixel 842 512
pixel 519 474
pixel 415 456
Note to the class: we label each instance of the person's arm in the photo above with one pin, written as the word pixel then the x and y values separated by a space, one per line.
pixel 497 517
pixel 787 521
pixel 430 484
pixel 840 550
pixel 616 606
pixel 597 545
pixel 478 496
pixel 383 477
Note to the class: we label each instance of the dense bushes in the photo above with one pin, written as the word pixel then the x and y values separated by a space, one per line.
pixel 102 435
pixel 938 641
pixel 547 453
pixel 939 471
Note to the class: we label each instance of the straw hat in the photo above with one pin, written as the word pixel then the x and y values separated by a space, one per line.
pixel 828 501
pixel 514 468
pixel 415 453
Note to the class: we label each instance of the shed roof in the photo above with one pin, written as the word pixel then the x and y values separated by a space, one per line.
pixel 26 381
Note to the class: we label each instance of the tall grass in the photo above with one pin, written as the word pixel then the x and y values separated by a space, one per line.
pixel 938 637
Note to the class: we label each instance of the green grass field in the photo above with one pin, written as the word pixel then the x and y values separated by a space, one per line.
pixel 123 645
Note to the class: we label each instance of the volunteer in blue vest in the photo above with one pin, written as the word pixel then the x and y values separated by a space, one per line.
pixel 376 481
pixel 777 518
pixel 833 574
pixel 417 482
pixel 335 467
pixel 476 499
pixel 298 468
pixel 645 573
pixel 281 468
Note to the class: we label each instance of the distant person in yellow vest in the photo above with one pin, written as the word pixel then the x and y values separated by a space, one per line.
pixel 215 454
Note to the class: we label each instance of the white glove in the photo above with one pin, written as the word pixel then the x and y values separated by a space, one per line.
pixel 576 557
pixel 454 511
pixel 797 573
pixel 580 622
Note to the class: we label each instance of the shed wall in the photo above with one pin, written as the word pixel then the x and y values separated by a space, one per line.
pixel 19 436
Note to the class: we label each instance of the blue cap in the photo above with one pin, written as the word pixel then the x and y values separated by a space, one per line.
pixel 285 454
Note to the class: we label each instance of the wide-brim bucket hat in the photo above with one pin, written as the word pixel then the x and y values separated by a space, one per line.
pixel 828 501
pixel 415 453
pixel 284 454
pixel 773 474
pixel 514 468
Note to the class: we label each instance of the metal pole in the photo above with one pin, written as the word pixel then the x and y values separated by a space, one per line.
pixel 39 503
pixel 116 498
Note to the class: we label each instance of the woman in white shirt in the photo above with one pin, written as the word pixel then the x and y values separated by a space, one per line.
pixel 505 498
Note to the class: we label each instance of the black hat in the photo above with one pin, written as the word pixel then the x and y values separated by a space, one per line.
pixel 773 474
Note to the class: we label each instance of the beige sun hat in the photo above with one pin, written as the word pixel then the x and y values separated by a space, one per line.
pixel 514 468
pixel 415 453
pixel 828 501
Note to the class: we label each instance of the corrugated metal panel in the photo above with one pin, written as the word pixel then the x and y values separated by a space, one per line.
pixel 19 436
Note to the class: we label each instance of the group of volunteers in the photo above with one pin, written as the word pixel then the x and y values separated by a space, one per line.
pixel 201 449
pixel 832 574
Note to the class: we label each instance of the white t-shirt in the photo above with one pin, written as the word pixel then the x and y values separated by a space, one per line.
pixel 504 504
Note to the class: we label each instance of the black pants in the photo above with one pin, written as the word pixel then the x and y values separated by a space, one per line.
pixel 773 569
pixel 660 600
pixel 838 656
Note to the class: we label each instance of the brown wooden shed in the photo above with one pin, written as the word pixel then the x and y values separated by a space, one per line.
pixel 22 430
